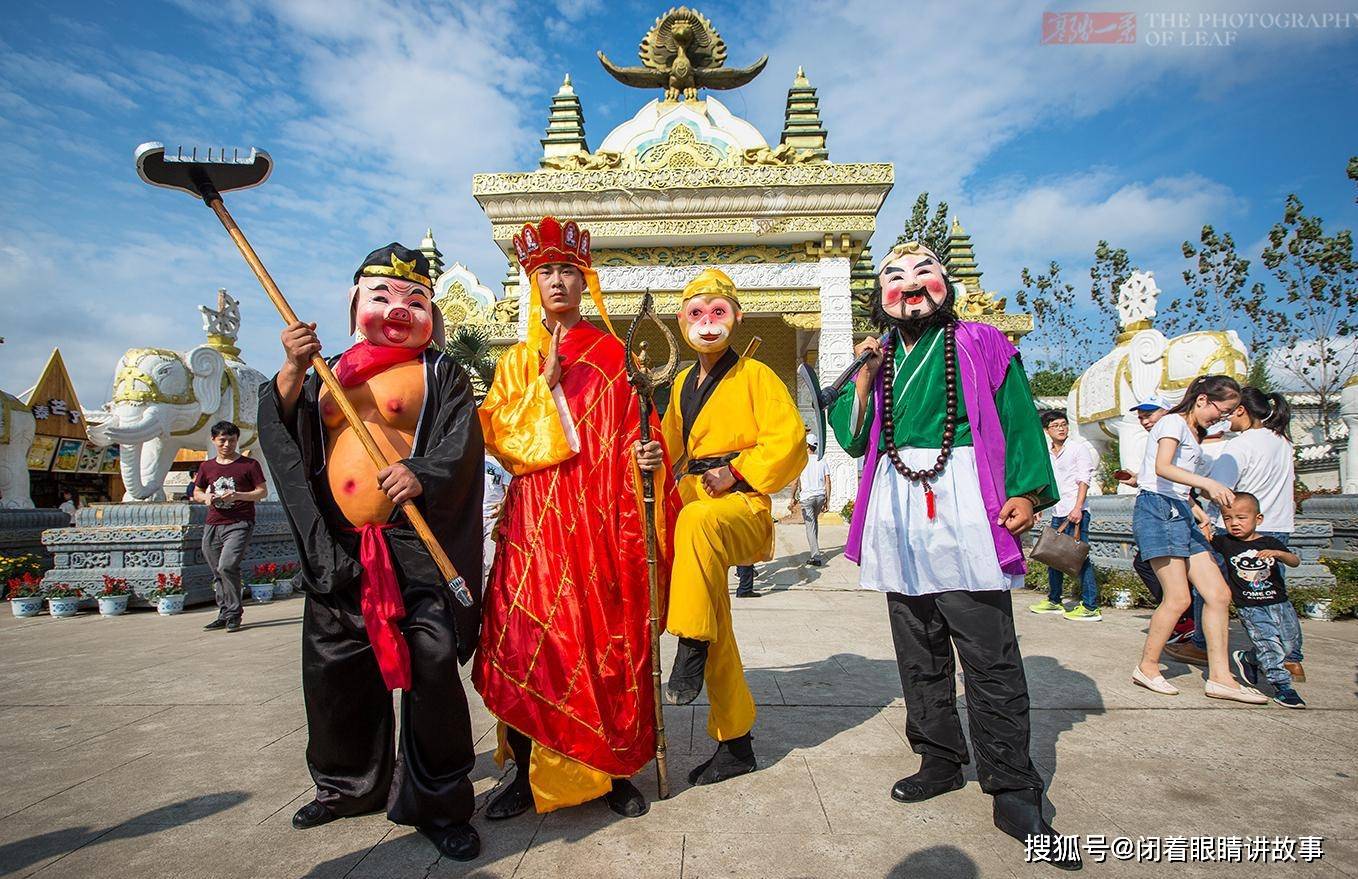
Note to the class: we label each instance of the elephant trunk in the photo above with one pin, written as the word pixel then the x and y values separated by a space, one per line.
pixel 147 427
pixel 129 461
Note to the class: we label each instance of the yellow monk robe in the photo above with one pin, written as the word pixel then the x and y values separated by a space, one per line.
pixel 564 656
pixel 750 413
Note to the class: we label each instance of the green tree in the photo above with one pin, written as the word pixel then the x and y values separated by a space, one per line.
pixel 1058 327
pixel 469 346
pixel 1217 297
pixel 1052 382
pixel 1110 269
pixel 931 232
pixel 1318 281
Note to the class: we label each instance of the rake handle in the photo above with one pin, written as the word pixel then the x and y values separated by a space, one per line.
pixel 213 200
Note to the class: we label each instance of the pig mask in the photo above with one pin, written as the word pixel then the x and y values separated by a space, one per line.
pixel 391 312
pixel 710 312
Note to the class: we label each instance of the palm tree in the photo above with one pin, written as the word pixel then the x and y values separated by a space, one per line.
pixel 470 347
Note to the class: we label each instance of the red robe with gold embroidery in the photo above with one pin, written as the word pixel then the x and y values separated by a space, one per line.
pixel 565 644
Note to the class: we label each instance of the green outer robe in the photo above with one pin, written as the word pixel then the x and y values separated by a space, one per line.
pixel 918 416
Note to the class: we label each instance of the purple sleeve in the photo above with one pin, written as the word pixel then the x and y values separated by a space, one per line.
pixel 200 478
pixel 256 475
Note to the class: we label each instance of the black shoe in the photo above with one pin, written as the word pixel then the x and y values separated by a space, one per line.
pixel 218 623
pixel 313 814
pixel 513 801
pixel 732 758
pixel 1245 667
pixel 749 593
pixel 937 775
pixel 233 625
pixel 460 842
pixel 816 561
pixel 1019 814
pixel 686 678
pixel 626 800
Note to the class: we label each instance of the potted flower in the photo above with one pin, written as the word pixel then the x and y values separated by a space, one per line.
pixel 1319 609
pixel 63 600
pixel 282 586
pixel 1122 598
pixel 261 584
pixel 25 595
pixel 113 597
pixel 168 594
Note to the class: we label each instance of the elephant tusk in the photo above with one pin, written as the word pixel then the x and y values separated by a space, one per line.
pixel 146 429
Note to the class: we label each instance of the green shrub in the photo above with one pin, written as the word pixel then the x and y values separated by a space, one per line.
pixel 1106 580
pixel 1344 597
pixel 846 511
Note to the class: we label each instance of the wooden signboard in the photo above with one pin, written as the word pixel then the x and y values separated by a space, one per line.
pixel 56 411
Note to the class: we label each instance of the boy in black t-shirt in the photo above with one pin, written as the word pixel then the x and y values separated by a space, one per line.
pixel 1251 565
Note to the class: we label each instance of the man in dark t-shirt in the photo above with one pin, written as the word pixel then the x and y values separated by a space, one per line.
pixel 230 484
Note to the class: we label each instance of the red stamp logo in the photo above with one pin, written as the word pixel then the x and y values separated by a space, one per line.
pixel 1073 28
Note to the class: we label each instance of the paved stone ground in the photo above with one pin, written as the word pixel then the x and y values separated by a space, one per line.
pixel 144 747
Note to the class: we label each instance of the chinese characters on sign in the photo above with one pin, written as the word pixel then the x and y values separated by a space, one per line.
pixel 1179 849
pixel 55 409
pixel 1074 28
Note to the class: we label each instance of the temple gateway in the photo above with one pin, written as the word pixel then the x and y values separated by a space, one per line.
pixel 685 184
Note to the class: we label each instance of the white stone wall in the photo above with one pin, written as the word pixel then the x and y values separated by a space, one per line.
pixel 835 354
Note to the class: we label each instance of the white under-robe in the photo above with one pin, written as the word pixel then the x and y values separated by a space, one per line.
pixel 907 552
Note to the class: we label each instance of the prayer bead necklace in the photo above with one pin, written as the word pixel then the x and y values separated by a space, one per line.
pixel 949 415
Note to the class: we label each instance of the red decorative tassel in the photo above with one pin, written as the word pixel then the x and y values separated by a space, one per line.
pixel 930 508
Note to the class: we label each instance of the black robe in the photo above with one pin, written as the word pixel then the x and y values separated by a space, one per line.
pixel 350 751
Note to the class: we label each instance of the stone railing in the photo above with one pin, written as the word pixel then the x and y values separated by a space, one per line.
pixel 1341 511
pixel 137 541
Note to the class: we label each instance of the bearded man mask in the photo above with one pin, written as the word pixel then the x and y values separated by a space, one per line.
pixel 913 292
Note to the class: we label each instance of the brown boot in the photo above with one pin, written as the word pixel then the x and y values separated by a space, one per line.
pixel 1298 673
pixel 1187 652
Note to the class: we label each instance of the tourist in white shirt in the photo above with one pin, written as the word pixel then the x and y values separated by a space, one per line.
pixel 1260 460
pixel 1074 468
pixel 1163 524
pixel 813 491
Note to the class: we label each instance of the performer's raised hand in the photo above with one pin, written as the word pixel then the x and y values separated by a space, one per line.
pixel 551 369
pixel 863 380
pixel 399 483
pixel 1017 515
pixel 649 456
pixel 300 343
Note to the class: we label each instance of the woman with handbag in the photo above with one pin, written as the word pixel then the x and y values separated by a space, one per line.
pixel 1164 524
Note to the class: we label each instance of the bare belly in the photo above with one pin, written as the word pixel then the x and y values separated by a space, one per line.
pixel 389 405
pixel 353 477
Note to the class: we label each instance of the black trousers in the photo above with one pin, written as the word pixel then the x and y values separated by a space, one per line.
pixel 924 629
pixel 353 755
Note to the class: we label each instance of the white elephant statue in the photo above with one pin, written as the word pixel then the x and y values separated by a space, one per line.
pixel 1348 410
pixel 1141 364
pixel 16 439
pixel 164 401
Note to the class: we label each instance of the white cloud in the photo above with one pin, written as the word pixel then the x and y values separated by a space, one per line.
pixel 1016 222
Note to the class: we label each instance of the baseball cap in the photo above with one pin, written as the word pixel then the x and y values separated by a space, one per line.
pixel 1151 403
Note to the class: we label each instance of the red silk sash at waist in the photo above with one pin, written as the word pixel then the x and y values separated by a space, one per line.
pixel 382 606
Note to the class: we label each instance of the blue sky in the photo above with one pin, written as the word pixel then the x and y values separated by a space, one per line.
pixel 378 112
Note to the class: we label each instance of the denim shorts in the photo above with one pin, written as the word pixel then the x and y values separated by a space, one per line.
pixel 1163 527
